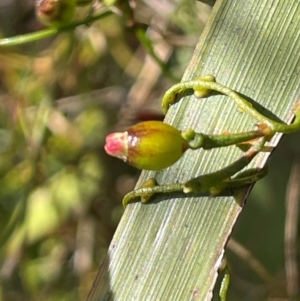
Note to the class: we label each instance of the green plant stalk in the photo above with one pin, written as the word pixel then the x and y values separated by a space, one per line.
pixel 201 87
pixel 46 33
pixel 213 183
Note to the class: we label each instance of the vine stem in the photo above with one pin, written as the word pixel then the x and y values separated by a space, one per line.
pixel 205 84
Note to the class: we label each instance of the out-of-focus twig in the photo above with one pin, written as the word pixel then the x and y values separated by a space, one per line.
pixel 110 97
pixel 84 245
pixel 148 44
pixel 291 225
pixel 246 255
pixel 148 77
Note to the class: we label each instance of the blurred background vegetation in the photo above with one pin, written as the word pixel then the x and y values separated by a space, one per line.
pixel 60 194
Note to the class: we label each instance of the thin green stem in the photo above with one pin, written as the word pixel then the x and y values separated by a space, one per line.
pixel 213 183
pixel 145 193
pixel 225 283
pixel 42 34
pixel 242 180
pixel 203 86
pixel 30 37
pixel 200 140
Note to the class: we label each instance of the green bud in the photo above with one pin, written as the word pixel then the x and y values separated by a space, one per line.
pixel 151 145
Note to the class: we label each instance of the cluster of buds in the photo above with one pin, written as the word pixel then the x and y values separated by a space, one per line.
pixel 151 145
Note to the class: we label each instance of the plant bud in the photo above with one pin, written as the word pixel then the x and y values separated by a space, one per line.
pixel 151 145
pixel 55 13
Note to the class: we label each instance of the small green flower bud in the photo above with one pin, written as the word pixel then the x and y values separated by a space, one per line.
pixel 151 145
pixel 55 13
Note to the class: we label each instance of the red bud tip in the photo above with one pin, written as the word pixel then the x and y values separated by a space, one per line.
pixel 117 145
